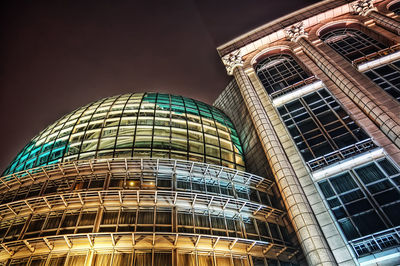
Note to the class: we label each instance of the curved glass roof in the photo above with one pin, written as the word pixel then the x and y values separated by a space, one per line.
pixel 139 125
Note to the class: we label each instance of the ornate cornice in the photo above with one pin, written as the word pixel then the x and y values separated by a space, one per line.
pixel 364 7
pixel 232 60
pixel 295 32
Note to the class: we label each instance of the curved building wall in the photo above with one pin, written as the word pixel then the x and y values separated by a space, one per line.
pixel 140 125
pixel 140 179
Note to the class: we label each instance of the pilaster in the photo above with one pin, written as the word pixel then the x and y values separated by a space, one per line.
pixel 366 8
pixel 387 122
pixel 311 238
pixel 341 251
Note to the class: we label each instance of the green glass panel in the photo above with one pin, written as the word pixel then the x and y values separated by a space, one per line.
pixel 138 125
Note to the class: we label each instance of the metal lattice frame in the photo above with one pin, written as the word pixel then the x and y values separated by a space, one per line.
pixel 380 241
pixel 127 240
pixel 127 166
pixel 280 70
pixel 20 210
pixel 134 198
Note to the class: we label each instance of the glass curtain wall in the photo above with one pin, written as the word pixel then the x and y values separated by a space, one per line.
pixel 141 125
pixel 149 219
pixel 387 77
pixel 149 258
pixel 181 182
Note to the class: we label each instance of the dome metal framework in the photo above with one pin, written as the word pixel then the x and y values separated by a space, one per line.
pixel 140 125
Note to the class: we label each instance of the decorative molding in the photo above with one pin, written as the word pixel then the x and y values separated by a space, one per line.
pixel 364 7
pixel 232 60
pixel 347 21
pixel 295 32
pixel 279 48
pixel 390 4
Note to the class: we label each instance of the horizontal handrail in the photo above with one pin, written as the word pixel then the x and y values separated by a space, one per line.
pixel 132 167
pixel 129 240
pixel 134 198
pixel 376 55
pixel 344 153
pixel 293 87
pixel 376 242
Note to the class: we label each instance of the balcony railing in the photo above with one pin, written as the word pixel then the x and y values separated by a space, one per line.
pixel 149 167
pixel 339 155
pixel 134 198
pixel 376 242
pixel 376 55
pixel 293 87
pixel 143 240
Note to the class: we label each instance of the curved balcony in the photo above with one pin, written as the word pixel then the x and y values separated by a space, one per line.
pixel 134 205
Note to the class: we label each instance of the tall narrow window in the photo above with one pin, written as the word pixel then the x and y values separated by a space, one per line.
pixel 365 199
pixel 387 77
pixel 279 71
pixel 352 43
pixel 319 125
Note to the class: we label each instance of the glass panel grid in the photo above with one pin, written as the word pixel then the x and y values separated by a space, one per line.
pixel 278 72
pixel 136 125
pixel 387 77
pixel 319 125
pixel 155 257
pixel 144 219
pixel 352 43
pixel 364 200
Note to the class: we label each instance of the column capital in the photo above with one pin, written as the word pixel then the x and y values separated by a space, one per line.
pixel 295 32
pixel 232 60
pixel 364 7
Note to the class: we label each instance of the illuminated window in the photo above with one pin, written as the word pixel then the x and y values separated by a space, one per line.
pixel 137 125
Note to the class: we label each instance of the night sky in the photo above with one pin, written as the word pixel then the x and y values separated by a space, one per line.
pixel 56 56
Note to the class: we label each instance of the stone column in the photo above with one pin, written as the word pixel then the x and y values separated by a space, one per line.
pixel 312 241
pixel 366 8
pixel 389 125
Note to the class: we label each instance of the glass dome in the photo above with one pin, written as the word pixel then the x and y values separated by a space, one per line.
pixel 139 125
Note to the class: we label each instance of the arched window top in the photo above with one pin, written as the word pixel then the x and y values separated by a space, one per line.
pixel 395 8
pixel 279 71
pixel 352 43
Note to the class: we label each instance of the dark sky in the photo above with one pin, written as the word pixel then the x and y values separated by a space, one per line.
pixel 56 56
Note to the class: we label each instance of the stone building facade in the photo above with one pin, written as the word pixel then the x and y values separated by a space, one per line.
pixel 322 88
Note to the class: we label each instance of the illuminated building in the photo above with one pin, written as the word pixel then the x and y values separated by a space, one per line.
pixel 140 179
pixel 297 162
pixel 322 89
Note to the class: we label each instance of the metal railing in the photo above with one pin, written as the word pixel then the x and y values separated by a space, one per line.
pixel 293 87
pixel 150 167
pixel 376 55
pixel 344 153
pixel 377 242
pixel 134 198
pixel 128 240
